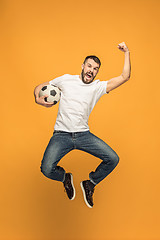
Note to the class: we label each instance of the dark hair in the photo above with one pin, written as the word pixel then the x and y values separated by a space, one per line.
pixel 96 59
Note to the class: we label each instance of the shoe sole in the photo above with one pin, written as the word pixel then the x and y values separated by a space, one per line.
pixel 74 192
pixel 84 195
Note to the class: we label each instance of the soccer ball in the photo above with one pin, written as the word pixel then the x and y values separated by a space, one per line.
pixel 53 93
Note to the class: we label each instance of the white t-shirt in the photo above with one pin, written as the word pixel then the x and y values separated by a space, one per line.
pixel 76 102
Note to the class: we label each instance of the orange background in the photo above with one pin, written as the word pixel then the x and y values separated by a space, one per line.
pixel 41 40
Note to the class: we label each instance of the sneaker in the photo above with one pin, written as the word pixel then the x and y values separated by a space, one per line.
pixel 68 185
pixel 87 192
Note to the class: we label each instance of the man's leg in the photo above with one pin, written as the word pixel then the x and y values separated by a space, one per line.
pixel 97 147
pixel 59 145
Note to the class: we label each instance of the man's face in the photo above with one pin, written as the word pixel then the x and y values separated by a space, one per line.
pixel 89 71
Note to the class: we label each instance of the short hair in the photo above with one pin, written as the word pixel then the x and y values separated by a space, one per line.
pixel 96 59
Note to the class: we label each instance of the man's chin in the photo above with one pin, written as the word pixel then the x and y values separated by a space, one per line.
pixel 87 81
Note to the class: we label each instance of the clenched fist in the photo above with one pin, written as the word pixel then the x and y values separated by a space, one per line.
pixel 122 46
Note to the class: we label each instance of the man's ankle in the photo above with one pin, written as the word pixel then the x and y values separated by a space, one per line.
pixel 92 185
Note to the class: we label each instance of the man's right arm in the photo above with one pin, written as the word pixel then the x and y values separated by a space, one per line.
pixel 40 100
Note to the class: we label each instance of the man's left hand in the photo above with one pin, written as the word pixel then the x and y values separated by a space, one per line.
pixel 122 46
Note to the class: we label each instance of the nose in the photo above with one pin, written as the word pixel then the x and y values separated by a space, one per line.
pixel 91 70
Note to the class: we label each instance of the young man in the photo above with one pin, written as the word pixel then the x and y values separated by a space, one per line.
pixel 79 94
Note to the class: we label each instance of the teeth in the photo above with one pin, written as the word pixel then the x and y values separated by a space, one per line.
pixel 89 75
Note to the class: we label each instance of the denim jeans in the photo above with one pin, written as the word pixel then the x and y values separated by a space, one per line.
pixel 63 142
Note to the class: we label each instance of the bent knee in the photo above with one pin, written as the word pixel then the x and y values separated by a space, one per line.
pixel 45 170
pixel 115 159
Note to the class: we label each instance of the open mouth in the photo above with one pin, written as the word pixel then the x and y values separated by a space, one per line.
pixel 88 75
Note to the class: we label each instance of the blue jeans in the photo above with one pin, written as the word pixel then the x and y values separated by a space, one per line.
pixel 63 142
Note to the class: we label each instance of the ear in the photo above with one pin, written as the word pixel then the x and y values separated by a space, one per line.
pixel 82 66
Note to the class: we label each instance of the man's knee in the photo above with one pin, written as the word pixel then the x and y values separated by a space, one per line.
pixel 114 158
pixel 46 170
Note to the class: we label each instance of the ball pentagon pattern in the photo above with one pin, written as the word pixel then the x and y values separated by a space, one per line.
pixel 53 93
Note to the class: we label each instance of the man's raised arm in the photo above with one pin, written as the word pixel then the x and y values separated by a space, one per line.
pixel 117 81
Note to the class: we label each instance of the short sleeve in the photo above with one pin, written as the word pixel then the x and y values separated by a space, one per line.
pixel 58 81
pixel 101 88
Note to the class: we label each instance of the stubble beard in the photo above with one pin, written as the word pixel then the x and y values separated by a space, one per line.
pixel 83 75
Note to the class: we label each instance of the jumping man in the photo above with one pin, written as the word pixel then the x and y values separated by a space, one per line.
pixel 79 94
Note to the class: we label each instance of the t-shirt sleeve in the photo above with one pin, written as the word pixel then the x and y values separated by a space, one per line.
pixel 101 88
pixel 58 81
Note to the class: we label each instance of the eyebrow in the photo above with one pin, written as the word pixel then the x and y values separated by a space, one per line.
pixel 91 65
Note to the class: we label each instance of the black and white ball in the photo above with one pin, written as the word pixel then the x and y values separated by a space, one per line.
pixel 53 93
